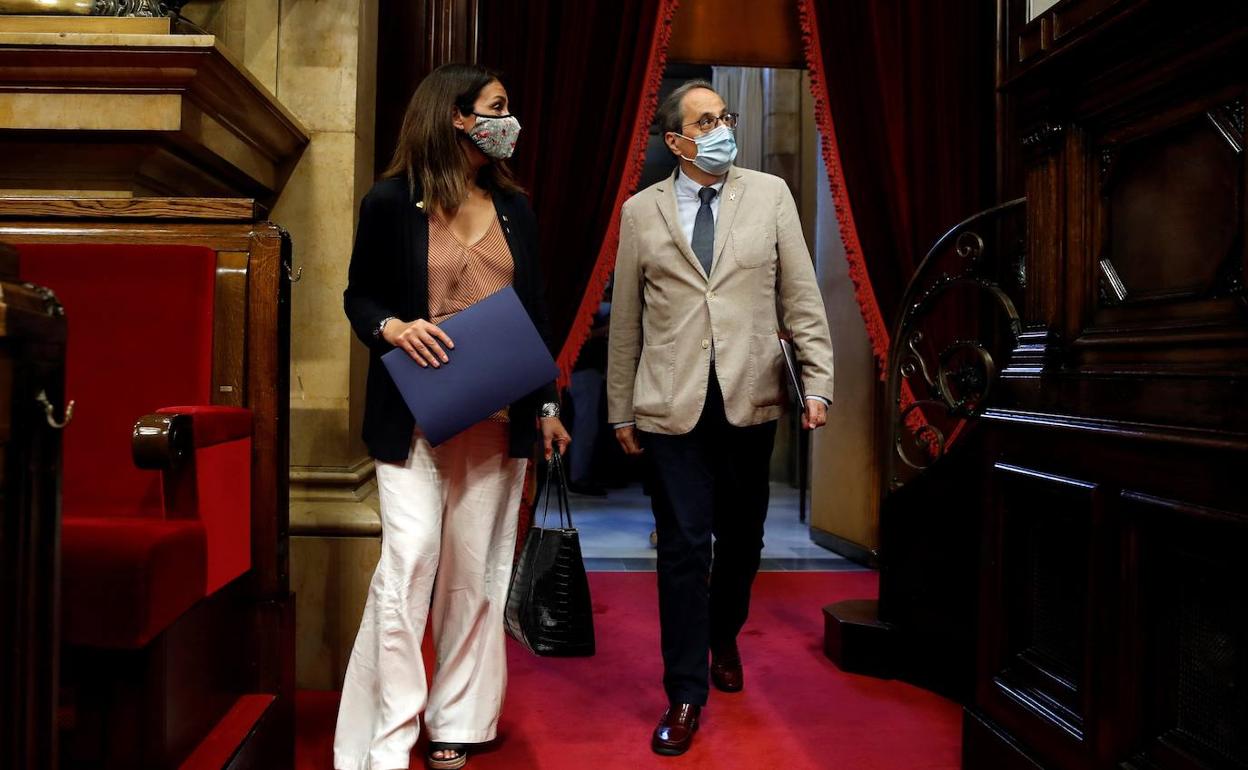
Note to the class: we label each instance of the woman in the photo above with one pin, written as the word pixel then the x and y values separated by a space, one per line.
pixel 445 227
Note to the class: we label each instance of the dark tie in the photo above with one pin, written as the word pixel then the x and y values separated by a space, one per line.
pixel 704 229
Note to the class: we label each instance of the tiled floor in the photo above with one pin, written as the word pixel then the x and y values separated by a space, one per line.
pixel 615 534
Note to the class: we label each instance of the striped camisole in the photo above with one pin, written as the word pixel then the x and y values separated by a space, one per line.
pixel 460 274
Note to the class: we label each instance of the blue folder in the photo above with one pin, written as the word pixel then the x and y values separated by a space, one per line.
pixel 498 357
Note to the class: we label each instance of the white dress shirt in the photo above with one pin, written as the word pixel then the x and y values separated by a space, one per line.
pixel 688 203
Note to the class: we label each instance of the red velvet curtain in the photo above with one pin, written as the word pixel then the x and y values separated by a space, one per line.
pixel 904 100
pixel 583 79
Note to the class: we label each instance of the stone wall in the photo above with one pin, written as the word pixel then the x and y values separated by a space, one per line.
pixel 319 58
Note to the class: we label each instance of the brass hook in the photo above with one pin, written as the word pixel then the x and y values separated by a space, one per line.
pixel 49 411
pixel 295 276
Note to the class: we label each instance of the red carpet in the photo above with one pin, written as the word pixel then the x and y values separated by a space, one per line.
pixel 798 711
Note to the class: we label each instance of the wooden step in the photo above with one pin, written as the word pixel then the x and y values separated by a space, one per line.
pixel 221 744
pixel 856 640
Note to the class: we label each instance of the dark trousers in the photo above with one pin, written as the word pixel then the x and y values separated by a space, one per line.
pixel 712 481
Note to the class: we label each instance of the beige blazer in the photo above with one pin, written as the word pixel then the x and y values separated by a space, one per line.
pixel 667 315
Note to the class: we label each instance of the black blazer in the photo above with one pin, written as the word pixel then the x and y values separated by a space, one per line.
pixel 389 276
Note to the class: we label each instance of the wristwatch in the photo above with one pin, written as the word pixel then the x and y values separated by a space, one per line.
pixel 382 326
pixel 550 409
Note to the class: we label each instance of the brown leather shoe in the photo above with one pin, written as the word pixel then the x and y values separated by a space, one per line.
pixel 674 735
pixel 726 672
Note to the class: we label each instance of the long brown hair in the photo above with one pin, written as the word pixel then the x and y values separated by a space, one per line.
pixel 429 152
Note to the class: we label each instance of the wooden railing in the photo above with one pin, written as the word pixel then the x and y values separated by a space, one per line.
pixel 958 320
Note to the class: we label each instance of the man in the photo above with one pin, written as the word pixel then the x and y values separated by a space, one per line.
pixel 711 264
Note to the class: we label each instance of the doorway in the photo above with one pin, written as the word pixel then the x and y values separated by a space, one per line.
pixel 776 135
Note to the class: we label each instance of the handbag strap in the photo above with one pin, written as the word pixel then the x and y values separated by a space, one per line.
pixel 555 478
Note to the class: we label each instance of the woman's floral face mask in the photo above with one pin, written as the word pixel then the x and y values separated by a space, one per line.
pixel 495 135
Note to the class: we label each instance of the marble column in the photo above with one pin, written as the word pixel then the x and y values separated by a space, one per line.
pixel 327 74
pixel 319 58
pixel 248 28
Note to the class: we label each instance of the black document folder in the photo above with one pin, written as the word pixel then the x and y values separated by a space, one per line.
pixel 794 373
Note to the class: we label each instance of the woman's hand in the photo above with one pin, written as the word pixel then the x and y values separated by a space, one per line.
pixel 554 434
pixel 422 340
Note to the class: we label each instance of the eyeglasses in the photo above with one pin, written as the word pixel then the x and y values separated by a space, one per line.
pixel 709 122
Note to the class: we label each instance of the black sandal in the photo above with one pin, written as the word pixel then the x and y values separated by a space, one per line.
pixel 455 762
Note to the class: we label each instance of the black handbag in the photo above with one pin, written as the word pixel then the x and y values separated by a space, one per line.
pixel 548 608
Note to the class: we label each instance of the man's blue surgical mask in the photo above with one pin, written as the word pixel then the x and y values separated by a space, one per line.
pixel 716 150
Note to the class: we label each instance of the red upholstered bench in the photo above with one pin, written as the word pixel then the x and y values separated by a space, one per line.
pixel 176 612
pixel 139 547
pixel 127 578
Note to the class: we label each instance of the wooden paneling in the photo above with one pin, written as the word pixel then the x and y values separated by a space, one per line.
pixel 415 37
pixel 8 262
pixel 268 396
pixel 1031 44
pixel 229 319
pixel 1035 658
pixel 1189 585
pixel 746 33
pixel 32 350
pixel 174 209
pixel 986 747
pixel 209 235
pixel 1112 633
pixel 1103 485
pixel 1035 39
pixel 173 114
pixel 1113 557
pixel 1164 266
pixel 1043 288
pixel 1191 172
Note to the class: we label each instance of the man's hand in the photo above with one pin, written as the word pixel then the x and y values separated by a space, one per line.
pixel 816 414
pixel 554 435
pixel 421 341
pixel 627 436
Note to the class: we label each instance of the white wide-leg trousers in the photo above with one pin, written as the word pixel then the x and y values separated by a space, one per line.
pixel 448 523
